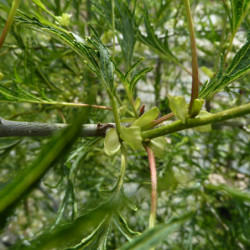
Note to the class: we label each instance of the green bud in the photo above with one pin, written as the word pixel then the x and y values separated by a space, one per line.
pixel 64 19
pixel 196 107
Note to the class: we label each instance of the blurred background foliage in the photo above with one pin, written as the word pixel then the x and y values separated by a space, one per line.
pixel 157 31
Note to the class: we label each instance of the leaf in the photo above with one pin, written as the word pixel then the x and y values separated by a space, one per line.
pixel 179 106
pixel 19 95
pixel 158 145
pixel 74 41
pixel 1 76
pixel 122 225
pixel 111 142
pixel 72 233
pixel 132 68
pixel 239 9
pixel 152 39
pixel 147 117
pixel 154 236
pixel 107 68
pixel 239 66
pixel 132 136
pixel 204 128
pixel 125 24
pixel 232 191
pixel 138 76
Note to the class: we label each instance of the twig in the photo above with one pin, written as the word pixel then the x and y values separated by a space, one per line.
pixel 195 77
pixel 151 159
pixel 9 21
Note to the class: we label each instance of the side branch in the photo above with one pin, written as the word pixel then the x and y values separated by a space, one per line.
pixel 191 123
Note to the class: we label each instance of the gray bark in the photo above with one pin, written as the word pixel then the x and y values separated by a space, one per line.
pixel 30 129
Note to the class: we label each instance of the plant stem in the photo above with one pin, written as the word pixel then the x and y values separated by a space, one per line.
pixel 191 123
pixel 113 27
pixel 158 121
pixel 70 104
pixel 123 166
pixel 9 21
pixel 151 159
pixel 195 77
pixel 116 115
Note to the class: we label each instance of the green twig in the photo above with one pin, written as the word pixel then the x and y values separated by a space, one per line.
pixel 195 77
pixel 9 21
pixel 69 104
pixel 116 115
pixel 191 123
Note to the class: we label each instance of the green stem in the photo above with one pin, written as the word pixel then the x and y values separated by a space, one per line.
pixel 195 77
pixel 151 159
pixel 113 28
pixel 69 104
pixel 131 99
pixel 9 21
pixel 123 166
pixel 191 123
pixel 116 115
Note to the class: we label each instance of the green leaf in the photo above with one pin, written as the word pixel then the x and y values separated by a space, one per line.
pixel 179 106
pixel 147 117
pixel 132 136
pixel 125 24
pixel 138 76
pixel 122 225
pixel 158 145
pixel 107 68
pixel 196 107
pixel 154 236
pixel 232 191
pixel 111 142
pixel 74 41
pixel 239 9
pixel 239 66
pixel 152 39
pixel 204 128
pixel 18 95
pixel 132 68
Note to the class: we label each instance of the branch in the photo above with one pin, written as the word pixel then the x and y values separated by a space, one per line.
pixel 191 123
pixel 30 129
